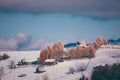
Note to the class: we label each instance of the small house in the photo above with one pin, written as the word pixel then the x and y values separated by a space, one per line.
pixel 50 62
pixel 83 44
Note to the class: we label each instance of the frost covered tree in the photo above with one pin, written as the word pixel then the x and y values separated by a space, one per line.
pixel 43 56
pixel 12 64
pixel 55 51
pixel 82 66
pixel 61 45
pixel 1 72
pixel 45 77
pixel 71 70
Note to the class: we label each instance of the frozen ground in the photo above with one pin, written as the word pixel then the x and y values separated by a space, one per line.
pixel 59 71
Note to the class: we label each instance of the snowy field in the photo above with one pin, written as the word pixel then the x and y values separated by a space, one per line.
pixel 59 71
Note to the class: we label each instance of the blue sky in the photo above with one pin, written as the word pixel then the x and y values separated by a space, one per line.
pixel 38 25
pixel 58 26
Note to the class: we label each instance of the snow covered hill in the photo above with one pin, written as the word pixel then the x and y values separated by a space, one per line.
pixel 59 71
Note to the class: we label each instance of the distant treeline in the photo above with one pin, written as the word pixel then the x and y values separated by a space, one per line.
pixel 74 44
pixel 113 41
pixel 70 45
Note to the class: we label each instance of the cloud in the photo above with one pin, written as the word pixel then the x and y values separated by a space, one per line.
pixel 38 44
pixel 21 42
pixel 95 8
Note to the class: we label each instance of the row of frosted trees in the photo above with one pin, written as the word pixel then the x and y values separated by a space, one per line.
pixel 88 51
pixel 57 50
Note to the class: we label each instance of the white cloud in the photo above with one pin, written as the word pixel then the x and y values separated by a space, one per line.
pixel 22 42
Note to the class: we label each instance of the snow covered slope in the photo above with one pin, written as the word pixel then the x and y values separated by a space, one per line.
pixel 59 71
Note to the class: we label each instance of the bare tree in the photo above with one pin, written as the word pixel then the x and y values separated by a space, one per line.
pixel 37 78
pixel 12 64
pixel 1 72
pixel 71 70
pixel 45 77
pixel 82 66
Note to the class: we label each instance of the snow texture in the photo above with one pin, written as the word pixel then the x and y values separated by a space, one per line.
pixel 59 71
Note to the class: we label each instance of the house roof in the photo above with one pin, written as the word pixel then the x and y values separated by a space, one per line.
pixel 49 60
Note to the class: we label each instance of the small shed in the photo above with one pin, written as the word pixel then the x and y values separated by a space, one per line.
pixel 50 62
